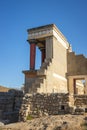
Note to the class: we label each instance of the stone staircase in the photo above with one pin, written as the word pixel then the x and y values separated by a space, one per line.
pixel 35 85
pixel 41 75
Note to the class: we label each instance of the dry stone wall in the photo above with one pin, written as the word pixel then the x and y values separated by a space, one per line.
pixel 15 106
pixel 44 104
pixel 80 103
pixel 37 105
pixel 10 103
pixel 80 100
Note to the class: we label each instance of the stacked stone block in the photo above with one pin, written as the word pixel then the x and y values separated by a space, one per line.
pixel 10 103
pixel 78 104
pixel 54 65
pixel 80 100
pixel 44 104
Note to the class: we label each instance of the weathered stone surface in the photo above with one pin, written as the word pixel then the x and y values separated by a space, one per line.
pixel 58 122
pixel 52 89
pixel 54 67
pixel 59 66
pixel 10 103
pixel 44 104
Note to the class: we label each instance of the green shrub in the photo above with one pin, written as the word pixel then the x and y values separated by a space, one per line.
pixel 84 126
pixel 29 117
pixel 0 128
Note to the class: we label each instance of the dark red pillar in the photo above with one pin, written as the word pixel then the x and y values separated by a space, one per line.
pixel 43 54
pixel 74 84
pixel 32 55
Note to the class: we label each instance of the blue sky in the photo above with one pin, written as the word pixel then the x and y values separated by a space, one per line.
pixel 16 16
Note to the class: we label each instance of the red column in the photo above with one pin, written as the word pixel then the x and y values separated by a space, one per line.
pixel 74 85
pixel 32 56
pixel 43 54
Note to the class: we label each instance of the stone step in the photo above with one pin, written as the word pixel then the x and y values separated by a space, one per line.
pixel 39 80
pixel 30 89
pixel 44 66
pixel 46 63
pixel 35 86
pixel 41 72
pixel 33 90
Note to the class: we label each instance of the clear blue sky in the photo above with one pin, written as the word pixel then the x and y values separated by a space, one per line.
pixel 16 16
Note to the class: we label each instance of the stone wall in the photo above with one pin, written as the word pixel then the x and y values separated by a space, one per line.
pixel 14 106
pixel 76 64
pixel 10 103
pixel 80 101
pixel 78 104
pixel 44 104
pixel 37 105
pixel 55 45
pixel 55 81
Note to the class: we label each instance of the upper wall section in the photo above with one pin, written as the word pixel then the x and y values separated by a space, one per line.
pixel 42 32
pixel 77 64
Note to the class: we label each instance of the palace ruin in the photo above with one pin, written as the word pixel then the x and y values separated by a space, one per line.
pixel 61 69
pixel 58 87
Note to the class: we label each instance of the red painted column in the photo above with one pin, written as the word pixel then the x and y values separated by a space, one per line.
pixel 32 55
pixel 74 85
pixel 43 55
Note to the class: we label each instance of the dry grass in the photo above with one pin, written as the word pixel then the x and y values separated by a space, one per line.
pixel 4 89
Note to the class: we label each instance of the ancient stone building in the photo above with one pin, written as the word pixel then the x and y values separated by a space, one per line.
pixel 58 87
pixel 61 69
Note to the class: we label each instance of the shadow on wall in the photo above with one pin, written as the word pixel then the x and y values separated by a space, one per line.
pixel 10 104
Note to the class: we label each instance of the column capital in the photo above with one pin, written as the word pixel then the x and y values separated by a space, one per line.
pixel 33 41
pixel 42 48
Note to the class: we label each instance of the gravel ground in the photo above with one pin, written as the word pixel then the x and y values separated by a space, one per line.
pixel 58 122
